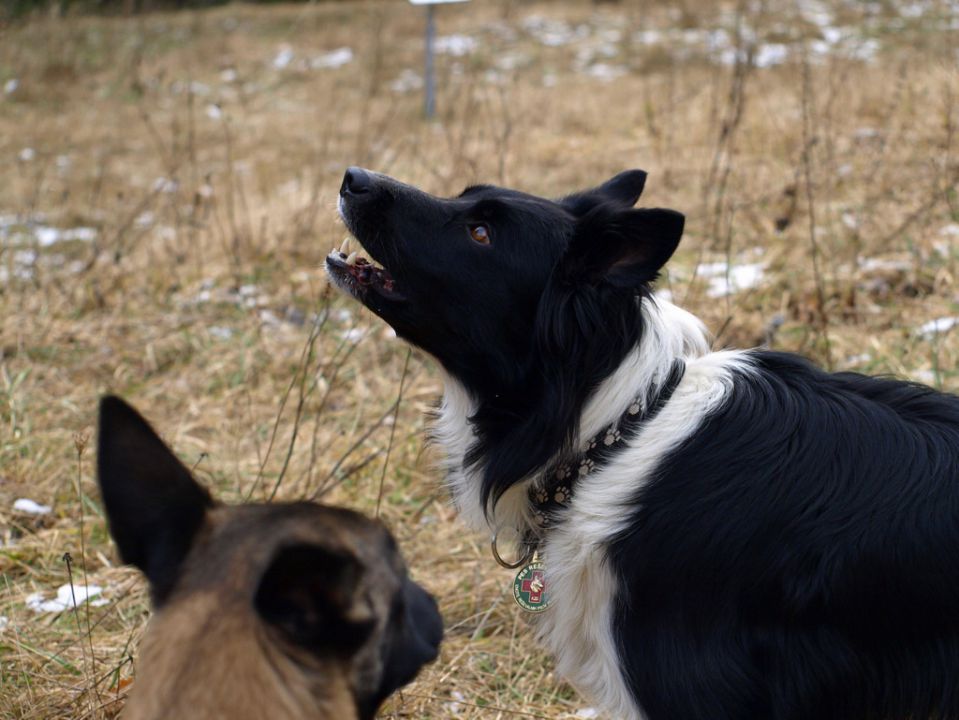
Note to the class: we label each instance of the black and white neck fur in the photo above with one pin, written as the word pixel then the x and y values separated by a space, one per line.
pixel 774 542
pixel 577 627
pixel 669 334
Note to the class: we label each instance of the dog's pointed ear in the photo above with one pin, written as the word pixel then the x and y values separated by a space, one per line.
pixel 311 594
pixel 624 189
pixel 154 506
pixel 624 248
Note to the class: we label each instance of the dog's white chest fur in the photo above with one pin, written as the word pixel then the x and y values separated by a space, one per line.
pixel 578 626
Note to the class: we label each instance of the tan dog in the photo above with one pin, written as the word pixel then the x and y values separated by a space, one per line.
pixel 276 611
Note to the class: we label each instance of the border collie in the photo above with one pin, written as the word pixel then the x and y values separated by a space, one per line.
pixel 732 534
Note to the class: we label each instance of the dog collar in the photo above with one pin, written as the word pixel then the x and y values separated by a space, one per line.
pixel 553 491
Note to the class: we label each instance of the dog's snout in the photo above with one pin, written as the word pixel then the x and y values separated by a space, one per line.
pixel 356 181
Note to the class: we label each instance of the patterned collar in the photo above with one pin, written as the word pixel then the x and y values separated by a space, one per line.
pixel 553 492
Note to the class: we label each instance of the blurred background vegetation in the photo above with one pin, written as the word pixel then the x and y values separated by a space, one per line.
pixel 168 182
pixel 15 9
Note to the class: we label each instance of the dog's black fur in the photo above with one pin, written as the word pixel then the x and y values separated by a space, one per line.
pixel 794 558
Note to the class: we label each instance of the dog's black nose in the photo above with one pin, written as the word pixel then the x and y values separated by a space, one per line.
pixel 356 181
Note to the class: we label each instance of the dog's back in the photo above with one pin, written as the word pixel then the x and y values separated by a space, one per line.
pixel 265 610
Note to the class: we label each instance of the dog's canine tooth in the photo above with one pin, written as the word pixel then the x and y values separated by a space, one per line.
pixel 345 247
pixel 351 258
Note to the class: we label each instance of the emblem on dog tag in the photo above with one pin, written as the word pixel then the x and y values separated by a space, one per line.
pixel 530 589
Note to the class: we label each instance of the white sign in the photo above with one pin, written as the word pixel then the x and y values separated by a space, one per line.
pixel 435 2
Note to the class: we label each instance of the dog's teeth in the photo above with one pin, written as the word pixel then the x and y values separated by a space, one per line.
pixel 351 258
pixel 345 247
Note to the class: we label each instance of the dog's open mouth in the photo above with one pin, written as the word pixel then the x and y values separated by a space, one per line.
pixel 358 275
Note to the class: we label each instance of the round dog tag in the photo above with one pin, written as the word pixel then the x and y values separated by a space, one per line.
pixel 530 589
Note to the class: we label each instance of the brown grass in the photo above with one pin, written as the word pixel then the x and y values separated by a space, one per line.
pixel 203 300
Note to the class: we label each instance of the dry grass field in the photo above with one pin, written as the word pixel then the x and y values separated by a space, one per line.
pixel 167 191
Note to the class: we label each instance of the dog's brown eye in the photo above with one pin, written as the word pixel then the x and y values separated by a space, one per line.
pixel 480 234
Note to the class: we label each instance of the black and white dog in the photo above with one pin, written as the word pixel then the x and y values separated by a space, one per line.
pixel 731 534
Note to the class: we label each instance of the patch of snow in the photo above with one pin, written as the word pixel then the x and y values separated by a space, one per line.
pixel 924 375
pixel 865 50
pixel 553 33
pixel 878 264
pixel 144 219
pixel 283 57
pixel 914 9
pixel 455 45
pixel 27 154
pixel 605 72
pixel 406 82
pixel 10 86
pixel 214 111
pixel 816 13
pixel 64 599
pixel 588 54
pixel 269 318
pixel 952 229
pixel 832 35
pixel 333 59
pixel 165 185
pixel 4 621
pixel 25 257
pixel 715 41
pixel 30 507
pixel 648 37
pixel 610 35
pixel 510 60
pixel 770 54
pixel 725 280
pixel 229 75
pixel 44 235
pixel 455 707
pixel 939 325
pixel 219 332
pixel 354 334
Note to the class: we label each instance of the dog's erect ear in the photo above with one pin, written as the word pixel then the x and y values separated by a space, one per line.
pixel 624 248
pixel 624 189
pixel 153 505
pixel 310 593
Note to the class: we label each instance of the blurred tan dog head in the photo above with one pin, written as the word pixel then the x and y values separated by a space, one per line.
pixel 285 611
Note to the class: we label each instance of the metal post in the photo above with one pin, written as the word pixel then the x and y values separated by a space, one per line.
pixel 430 90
